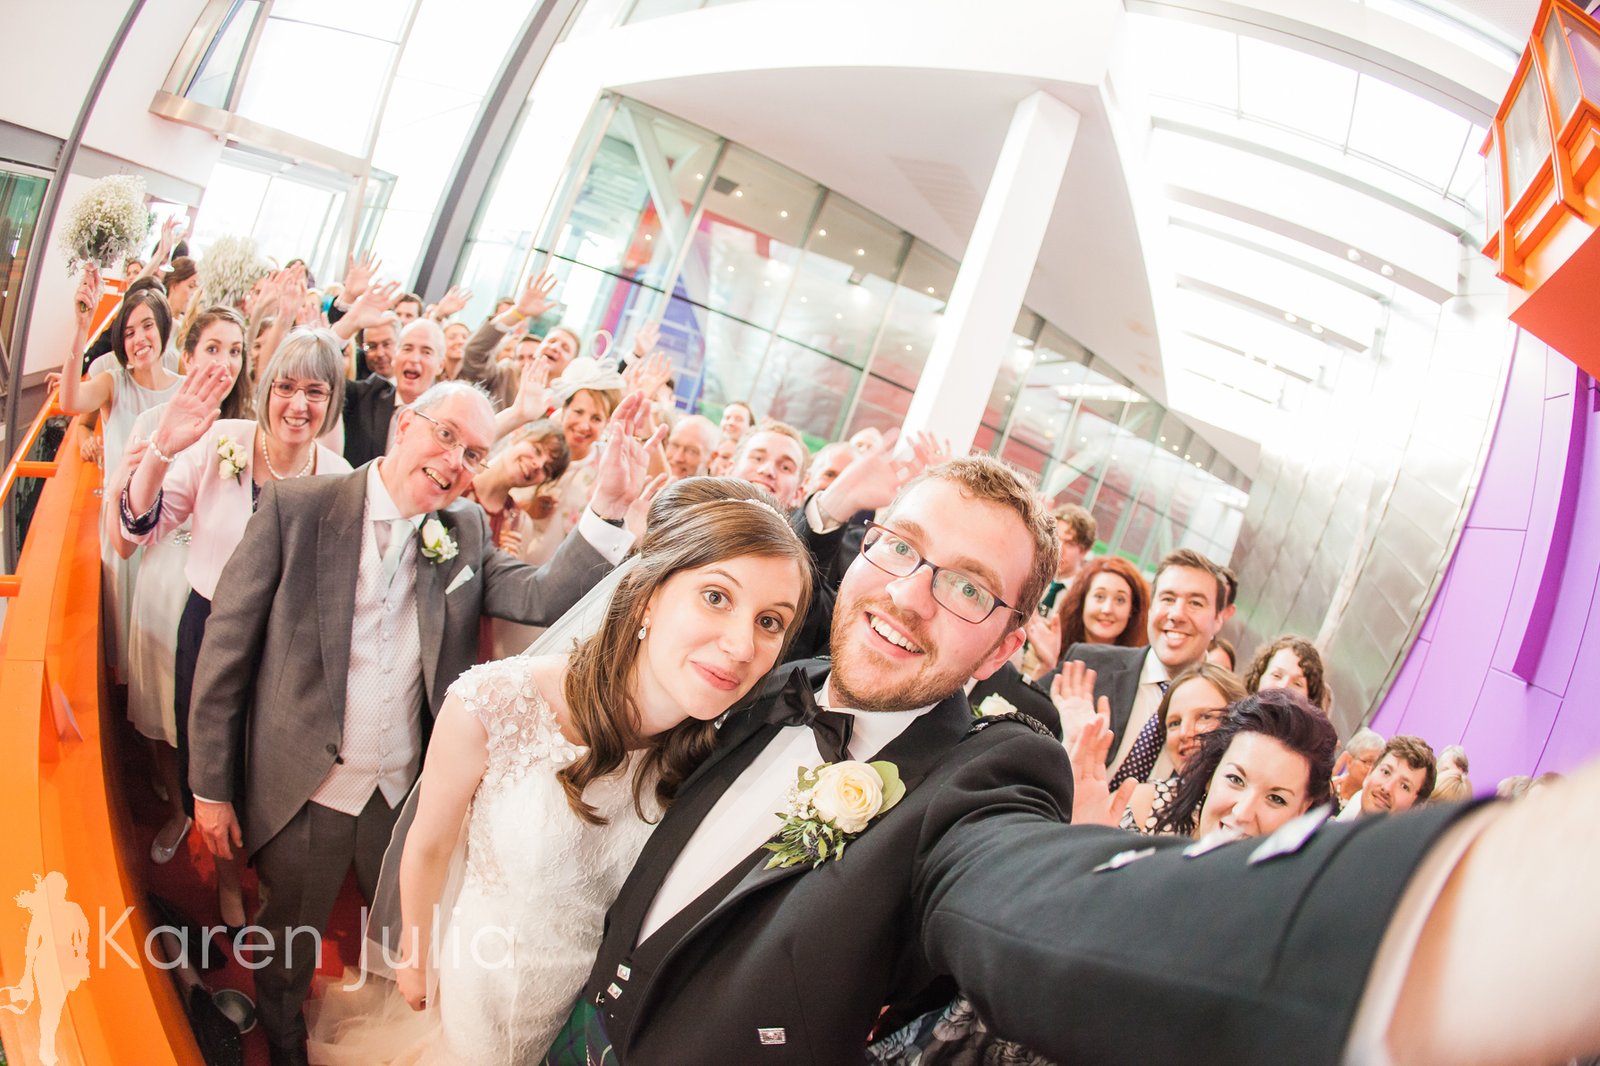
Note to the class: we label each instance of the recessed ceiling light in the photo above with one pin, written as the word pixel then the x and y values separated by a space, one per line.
pixel 1316 329
pixel 738 194
pixel 783 214
pixel 1083 440
pixel 861 251
pixel 1290 316
pixel 908 347
pixel 930 290
pixel 648 237
pixel 1186 457
pixel 699 177
pixel 822 233
pixel 766 284
pixel 1352 255
pixel 1163 440
pixel 802 299
pixel 1386 270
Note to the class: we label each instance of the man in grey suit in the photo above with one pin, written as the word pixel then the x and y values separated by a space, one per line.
pixel 1185 614
pixel 347 610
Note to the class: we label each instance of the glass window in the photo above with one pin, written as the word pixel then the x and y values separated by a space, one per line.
pixel 804 388
pixel 915 312
pixel 213 82
pixel 631 214
pixel 745 248
pixel 717 357
pixel 844 282
pixel 318 83
pixel 1404 131
pixel 1288 87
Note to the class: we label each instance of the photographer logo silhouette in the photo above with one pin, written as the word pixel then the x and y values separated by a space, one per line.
pixel 56 959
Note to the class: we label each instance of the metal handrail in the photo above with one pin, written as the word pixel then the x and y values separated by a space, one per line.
pixel 20 466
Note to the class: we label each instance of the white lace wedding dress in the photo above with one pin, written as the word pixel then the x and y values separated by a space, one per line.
pixel 526 925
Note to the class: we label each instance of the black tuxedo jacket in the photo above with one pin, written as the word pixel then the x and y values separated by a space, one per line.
pixel 973 876
pixel 368 410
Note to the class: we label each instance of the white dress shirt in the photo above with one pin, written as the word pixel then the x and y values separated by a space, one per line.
pixel 746 816
pixel 1145 702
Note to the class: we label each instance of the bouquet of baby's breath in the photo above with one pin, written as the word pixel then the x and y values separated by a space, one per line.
pixel 229 268
pixel 107 224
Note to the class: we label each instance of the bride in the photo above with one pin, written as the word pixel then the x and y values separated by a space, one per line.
pixel 545 775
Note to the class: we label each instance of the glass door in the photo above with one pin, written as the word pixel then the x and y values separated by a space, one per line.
pixel 21 194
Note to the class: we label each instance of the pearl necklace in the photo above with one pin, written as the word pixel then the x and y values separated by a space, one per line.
pixel 304 470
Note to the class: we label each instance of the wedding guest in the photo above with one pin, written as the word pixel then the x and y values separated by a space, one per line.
pixel 1076 531
pixel 1402 777
pixel 140 333
pixel 216 337
pixel 1514 787
pixel 1361 751
pixel 772 456
pixel 210 472
pixel 302 752
pixel 455 347
pixel 535 454
pixel 1452 786
pixel 409 309
pixel 370 404
pixel 737 418
pixel 1222 653
pixel 721 462
pixel 1288 662
pixel 826 466
pixel 1108 603
pixel 555 766
pixel 558 348
pixel 689 445
pixel 1453 755
pixel 1195 703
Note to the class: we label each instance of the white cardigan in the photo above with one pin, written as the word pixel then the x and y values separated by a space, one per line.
pixel 220 506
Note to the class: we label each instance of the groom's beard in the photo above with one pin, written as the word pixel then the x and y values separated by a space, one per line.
pixel 865 680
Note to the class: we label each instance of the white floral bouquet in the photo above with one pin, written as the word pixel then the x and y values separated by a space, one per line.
pixel 108 223
pixel 229 268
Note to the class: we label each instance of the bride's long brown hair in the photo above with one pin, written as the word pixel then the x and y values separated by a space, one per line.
pixel 692 523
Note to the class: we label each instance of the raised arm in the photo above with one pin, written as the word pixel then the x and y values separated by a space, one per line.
pixel 168 472
pixel 457 755
pixel 79 396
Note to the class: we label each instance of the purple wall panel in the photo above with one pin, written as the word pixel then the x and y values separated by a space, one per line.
pixel 1508 732
pixel 1456 685
pixel 1505 492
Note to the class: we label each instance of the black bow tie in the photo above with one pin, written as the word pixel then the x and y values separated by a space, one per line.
pixel 796 705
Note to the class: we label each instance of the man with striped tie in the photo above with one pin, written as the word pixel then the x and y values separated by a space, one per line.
pixel 1186 611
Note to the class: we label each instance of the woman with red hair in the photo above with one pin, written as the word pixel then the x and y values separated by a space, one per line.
pixel 1107 603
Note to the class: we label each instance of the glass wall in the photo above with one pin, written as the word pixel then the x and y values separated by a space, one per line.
pixel 776 291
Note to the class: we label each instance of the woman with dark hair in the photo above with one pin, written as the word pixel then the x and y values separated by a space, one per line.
pixel 215 338
pixel 139 334
pixel 554 767
pixel 1289 662
pixel 197 464
pixel 1270 761
pixel 1107 603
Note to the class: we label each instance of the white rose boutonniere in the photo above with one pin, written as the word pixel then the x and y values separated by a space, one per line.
pixel 829 807
pixel 231 458
pixel 437 544
pixel 994 703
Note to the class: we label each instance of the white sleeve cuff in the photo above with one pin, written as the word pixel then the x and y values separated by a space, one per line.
pixel 612 542
pixel 814 517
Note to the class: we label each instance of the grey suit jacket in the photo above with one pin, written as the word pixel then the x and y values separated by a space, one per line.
pixel 275 660
pixel 1116 678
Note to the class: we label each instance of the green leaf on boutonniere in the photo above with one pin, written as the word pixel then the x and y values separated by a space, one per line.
pixel 893 787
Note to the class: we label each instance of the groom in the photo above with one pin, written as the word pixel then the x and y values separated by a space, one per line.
pixel 347 610
pixel 1084 943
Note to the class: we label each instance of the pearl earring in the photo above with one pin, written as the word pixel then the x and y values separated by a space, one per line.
pixel 644 629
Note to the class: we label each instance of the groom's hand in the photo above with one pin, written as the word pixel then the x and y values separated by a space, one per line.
pixel 219 827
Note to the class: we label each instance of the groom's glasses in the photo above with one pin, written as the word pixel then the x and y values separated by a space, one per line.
pixel 471 458
pixel 963 596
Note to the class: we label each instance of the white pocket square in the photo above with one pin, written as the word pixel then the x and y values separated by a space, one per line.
pixel 460 579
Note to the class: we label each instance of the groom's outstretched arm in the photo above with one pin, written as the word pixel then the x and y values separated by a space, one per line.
pixel 1088 943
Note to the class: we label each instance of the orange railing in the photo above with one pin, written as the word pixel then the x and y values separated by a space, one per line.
pixel 61 796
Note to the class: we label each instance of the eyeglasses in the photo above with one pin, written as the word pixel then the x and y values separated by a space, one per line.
pixel 471 458
pixel 315 392
pixel 961 595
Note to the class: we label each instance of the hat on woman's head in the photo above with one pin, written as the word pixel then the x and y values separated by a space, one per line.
pixel 585 373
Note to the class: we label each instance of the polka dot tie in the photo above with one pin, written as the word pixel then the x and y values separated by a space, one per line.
pixel 1146 748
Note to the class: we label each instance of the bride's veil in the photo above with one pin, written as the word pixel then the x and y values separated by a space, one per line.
pixel 383 938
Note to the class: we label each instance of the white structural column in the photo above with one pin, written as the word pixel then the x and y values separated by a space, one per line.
pixel 976 329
